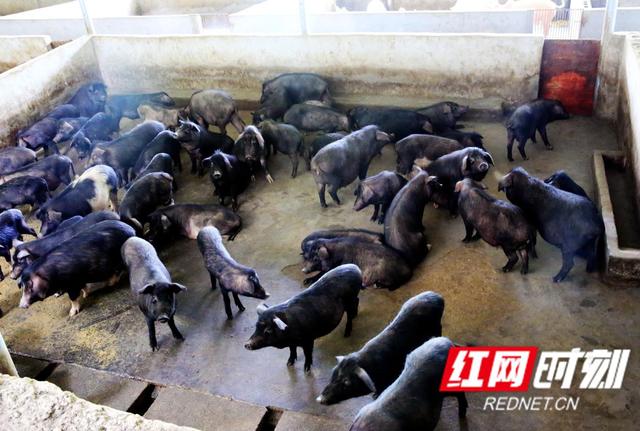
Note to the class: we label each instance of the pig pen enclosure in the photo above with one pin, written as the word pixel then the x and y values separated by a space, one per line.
pixel 483 305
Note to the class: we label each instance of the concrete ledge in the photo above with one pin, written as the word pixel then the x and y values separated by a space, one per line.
pixel 27 404
pixel 15 50
pixel 622 265
pixel 293 421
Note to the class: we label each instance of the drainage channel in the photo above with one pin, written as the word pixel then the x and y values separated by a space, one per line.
pixel 142 404
pixel 270 419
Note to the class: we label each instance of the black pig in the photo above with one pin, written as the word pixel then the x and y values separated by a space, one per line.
pixel 13 158
pixel 216 108
pixel 418 385
pixel 528 118
pixel 12 227
pixel 229 175
pixel 151 286
pixel 250 148
pixel 90 99
pixel 361 234
pixel 284 138
pixel 23 191
pixel 311 117
pixel 378 190
pixel 200 143
pixel 499 223
pixel 311 314
pixel 467 139
pixel 159 163
pixel 92 256
pixel 164 142
pixel 422 149
pixel 566 220
pixel 340 163
pixel 561 180
pixel 443 115
pixel 55 170
pixel 380 361
pixel 223 269
pixel 396 121
pixel 145 195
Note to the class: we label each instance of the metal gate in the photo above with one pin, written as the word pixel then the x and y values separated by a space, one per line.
pixel 568 73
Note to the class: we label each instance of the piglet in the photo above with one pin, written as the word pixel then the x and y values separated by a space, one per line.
pixel 378 190
pixel 151 286
pixel 234 277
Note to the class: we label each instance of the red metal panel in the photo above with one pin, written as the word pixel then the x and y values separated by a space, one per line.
pixel 569 72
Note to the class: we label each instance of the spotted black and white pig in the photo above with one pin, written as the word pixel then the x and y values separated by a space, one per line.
pixel 95 190
pixel 288 89
pixel 27 252
pixel 55 170
pixel 12 227
pixel 13 158
pixel 189 219
pixel 561 180
pixel 23 191
pixel 284 138
pixel 250 148
pixel 360 234
pixel 151 287
pixel 92 256
pixel 145 195
pixel 414 401
pixel 422 150
pixel 216 108
pixel 528 118
pixel 311 117
pixel 338 164
pixel 566 220
pixel 90 99
pixel 374 367
pixel 403 228
pixel 229 175
pixel 199 143
pixel 311 314
pixel 497 222
pixel 379 191
pixel 396 121
pixel 224 270
pixel 381 266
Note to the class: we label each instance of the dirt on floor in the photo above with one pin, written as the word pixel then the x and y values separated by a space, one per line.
pixel 483 305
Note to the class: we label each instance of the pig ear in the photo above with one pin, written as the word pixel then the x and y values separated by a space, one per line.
pixel 22 254
pixel 427 127
pixel 16 242
pixel 261 308
pixel 323 252
pixel 465 162
pixel 488 158
pixel 366 192
pixel 279 323
pixel 339 358
pixel 366 379
pixel 146 289
pixel 177 287
pixel 382 136
pixel 458 187
pixel 433 181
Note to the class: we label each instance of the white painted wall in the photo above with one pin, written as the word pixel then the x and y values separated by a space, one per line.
pixel 17 50
pixel 35 87
pixel 629 116
pixel 425 66
pixel 627 19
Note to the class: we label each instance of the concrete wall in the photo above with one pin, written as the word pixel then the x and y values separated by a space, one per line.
pixel 627 19
pixel 628 113
pixel 156 7
pixel 424 66
pixel 35 87
pixel 389 22
pixel 13 6
pixel 71 28
pixel 17 50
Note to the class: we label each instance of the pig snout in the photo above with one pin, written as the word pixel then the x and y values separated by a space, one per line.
pixel 24 301
pixel 322 399
pixel 252 344
pixel 484 167
pixel 216 175
pixel 163 318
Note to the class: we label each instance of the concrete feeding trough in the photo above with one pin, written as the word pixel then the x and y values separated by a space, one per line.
pixel 622 233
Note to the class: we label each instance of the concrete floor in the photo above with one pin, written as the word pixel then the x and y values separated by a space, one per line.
pixel 483 305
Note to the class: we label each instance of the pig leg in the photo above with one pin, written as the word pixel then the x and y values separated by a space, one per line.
pixel 307 348
pixel 237 301
pixel 153 342
pixel 194 163
pixel 592 256
pixel 234 204
pixel 213 281
pixel 468 227
pixel 513 259
pixel 524 255
pixel 25 229
pixel 462 404
pixel 267 175
pixel 352 313
pixel 174 329
pixel 522 140
pixel 376 210
pixel 199 166
pixel 227 302
pixel 567 264
pixel 293 356
pixel 383 212
pixel 333 192
pixel 510 139
pixel 543 132
pixel 321 189
pixel 294 164
pixel 113 197
pixel 237 122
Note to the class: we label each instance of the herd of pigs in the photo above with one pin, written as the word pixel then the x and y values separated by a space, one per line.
pixel 87 237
